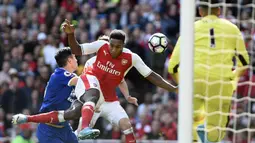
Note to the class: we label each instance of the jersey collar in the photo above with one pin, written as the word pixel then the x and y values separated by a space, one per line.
pixel 211 17
pixel 60 69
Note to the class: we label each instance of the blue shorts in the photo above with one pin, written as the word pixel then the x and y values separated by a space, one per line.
pixel 49 134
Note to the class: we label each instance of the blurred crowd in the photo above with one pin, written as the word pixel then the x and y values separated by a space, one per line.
pixel 30 35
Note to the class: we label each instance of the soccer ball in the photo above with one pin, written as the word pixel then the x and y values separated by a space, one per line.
pixel 157 42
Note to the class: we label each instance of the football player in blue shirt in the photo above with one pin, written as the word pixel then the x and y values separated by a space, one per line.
pixel 59 96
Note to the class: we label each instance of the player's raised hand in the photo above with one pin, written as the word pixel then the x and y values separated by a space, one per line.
pixel 67 27
pixel 132 100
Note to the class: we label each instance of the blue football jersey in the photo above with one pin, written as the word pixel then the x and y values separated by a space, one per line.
pixel 58 94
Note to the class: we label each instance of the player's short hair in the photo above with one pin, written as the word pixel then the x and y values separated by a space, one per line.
pixel 210 6
pixel 118 34
pixel 62 56
pixel 209 3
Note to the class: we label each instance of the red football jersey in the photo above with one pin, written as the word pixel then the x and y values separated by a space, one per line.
pixel 109 71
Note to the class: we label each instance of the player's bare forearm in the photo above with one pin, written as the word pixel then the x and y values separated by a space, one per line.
pixel 124 89
pixel 159 81
pixel 74 45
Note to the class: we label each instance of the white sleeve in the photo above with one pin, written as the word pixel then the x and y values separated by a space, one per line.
pixel 142 68
pixel 90 62
pixel 90 48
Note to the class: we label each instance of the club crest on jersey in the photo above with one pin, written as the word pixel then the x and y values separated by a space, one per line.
pixel 124 61
pixel 94 84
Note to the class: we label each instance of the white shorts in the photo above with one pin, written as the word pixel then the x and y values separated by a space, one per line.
pixel 86 82
pixel 111 111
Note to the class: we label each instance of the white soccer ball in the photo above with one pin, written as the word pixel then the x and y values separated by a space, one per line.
pixel 158 42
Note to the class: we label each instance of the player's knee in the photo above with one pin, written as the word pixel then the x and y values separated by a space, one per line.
pixel 77 113
pixel 124 124
pixel 95 97
pixel 215 135
pixel 72 114
pixel 91 95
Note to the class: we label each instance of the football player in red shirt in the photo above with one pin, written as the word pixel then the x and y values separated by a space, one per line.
pixel 112 63
pixel 98 85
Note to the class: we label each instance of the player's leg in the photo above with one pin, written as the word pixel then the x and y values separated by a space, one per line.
pixel 70 136
pixel 46 136
pixel 51 117
pixel 219 104
pixel 74 112
pixel 198 106
pixel 87 91
pixel 126 128
pixel 89 99
pixel 217 109
pixel 94 119
pixel 119 117
pixel 44 139
pixel 76 132
pixel 92 123
pixel 198 116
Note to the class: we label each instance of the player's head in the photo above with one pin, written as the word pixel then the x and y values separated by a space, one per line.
pixel 117 40
pixel 208 7
pixel 65 58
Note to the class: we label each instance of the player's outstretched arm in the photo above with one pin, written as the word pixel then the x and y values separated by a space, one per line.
pixel 73 43
pixel 174 62
pixel 157 80
pixel 150 75
pixel 242 55
pixel 85 48
pixel 68 28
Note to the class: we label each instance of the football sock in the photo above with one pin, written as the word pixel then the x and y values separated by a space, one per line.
pixel 87 112
pixel 50 117
pixel 129 135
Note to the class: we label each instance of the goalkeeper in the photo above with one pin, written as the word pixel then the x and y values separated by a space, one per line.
pixel 217 41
